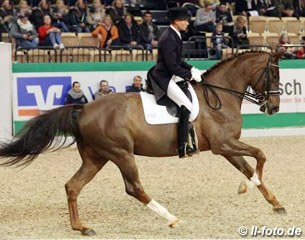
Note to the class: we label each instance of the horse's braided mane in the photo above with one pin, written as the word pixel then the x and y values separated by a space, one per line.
pixel 229 59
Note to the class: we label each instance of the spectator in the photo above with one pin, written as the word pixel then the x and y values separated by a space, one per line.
pixel 60 16
pixel 137 85
pixel 300 7
pixel 300 53
pixel 129 33
pixel 289 11
pixel 117 11
pixel 50 35
pixel 24 32
pixel 205 18
pixel 24 8
pixel 149 32
pixel 76 95
pixel 246 8
pixel 103 91
pixel 7 14
pixel 219 41
pixel 107 33
pixel 240 32
pixel 269 8
pixel 224 16
pixel 95 15
pixel 283 45
pixel 76 20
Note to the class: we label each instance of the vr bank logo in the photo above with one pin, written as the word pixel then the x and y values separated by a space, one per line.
pixel 41 93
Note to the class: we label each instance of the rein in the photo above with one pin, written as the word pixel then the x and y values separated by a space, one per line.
pixel 258 99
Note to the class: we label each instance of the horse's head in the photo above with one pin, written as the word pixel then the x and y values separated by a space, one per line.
pixel 267 86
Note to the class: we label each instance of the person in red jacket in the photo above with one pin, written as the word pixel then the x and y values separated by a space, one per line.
pixel 49 35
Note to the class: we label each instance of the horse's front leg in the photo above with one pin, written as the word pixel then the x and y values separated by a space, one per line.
pixel 241 164
pixel 234 147
pixel 234 150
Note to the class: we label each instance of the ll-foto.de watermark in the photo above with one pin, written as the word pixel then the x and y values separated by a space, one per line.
pixel 264 231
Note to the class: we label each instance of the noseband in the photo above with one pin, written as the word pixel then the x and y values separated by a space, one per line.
pixel 263 98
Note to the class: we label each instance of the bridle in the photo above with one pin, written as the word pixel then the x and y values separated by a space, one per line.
pixel 260 99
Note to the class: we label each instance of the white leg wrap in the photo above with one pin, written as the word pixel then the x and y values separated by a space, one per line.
pixel 254 181
pixel 161 211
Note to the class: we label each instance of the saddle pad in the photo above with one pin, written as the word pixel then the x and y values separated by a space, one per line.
pixel 157 114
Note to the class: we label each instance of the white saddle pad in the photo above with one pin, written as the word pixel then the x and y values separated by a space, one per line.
pixel 157 114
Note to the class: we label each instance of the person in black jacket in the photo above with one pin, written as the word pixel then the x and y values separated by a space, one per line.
pixel 149 32
pixel 76 95
pixel 137 85
pixel 129 32
pixel 170 67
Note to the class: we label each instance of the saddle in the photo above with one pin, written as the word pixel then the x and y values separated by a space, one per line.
pixel 161 98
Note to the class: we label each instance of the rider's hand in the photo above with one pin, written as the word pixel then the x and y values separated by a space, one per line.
pixel 196 74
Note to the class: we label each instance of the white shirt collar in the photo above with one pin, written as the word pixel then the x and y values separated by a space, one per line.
pixel 178 33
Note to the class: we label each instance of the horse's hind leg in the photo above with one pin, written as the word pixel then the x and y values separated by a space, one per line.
pixel 92 164
pixel 241 164
pixel 134 188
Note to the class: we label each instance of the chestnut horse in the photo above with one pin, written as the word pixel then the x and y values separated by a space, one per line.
pixel 113 128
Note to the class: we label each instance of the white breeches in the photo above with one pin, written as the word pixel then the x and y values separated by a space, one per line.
pixel 175 93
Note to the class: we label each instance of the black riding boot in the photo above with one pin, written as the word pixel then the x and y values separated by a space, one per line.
pixel 183 132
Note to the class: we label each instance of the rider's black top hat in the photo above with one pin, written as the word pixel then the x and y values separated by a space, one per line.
pixel 179 13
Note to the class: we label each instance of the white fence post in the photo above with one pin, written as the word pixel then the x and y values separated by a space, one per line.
pixel 6 121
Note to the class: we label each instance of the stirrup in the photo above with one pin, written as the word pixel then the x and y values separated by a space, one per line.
pixel 186 151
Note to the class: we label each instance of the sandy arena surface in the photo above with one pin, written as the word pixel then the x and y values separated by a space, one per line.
pixel 201 191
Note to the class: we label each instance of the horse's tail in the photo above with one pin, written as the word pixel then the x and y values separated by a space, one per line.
pixel 38 135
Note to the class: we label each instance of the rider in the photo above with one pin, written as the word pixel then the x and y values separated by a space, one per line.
pixel 170 66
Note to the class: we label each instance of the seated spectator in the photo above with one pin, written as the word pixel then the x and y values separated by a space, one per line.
pixel 137 85
pixel 219 41
pixel 240 32
pixel 76 95
pixel 77 17
pixel 246 8
pixel 95 15
pixel 60 16
pixel 24 32
pixel 284 45
pixel 24 8
pixel 300 53
pixel 205 18
pixel 36 17
pixel 129 33
pixel 103 91
pixel 117 11
pixel 224 16
pixel 269 8
pixel 7 13
pixel 289 11
pixel 149 32
pixel 300 8
pixel 107 33
pixel 76 20
pixel 50 35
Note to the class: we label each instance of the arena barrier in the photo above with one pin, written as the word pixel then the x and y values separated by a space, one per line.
pixel 38 87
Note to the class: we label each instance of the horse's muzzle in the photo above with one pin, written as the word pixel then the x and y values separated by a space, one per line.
pixel 269 109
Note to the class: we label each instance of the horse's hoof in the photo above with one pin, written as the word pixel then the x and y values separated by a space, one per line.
pixel 242 188
pixel 88 232
pixel 279 210
pixel 173 223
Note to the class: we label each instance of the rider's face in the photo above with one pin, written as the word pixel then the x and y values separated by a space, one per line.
pixel 182 24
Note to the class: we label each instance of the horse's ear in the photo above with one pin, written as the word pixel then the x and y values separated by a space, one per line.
pixel 278 55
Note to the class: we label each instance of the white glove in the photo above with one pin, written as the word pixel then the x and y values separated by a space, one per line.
pixel 196 74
